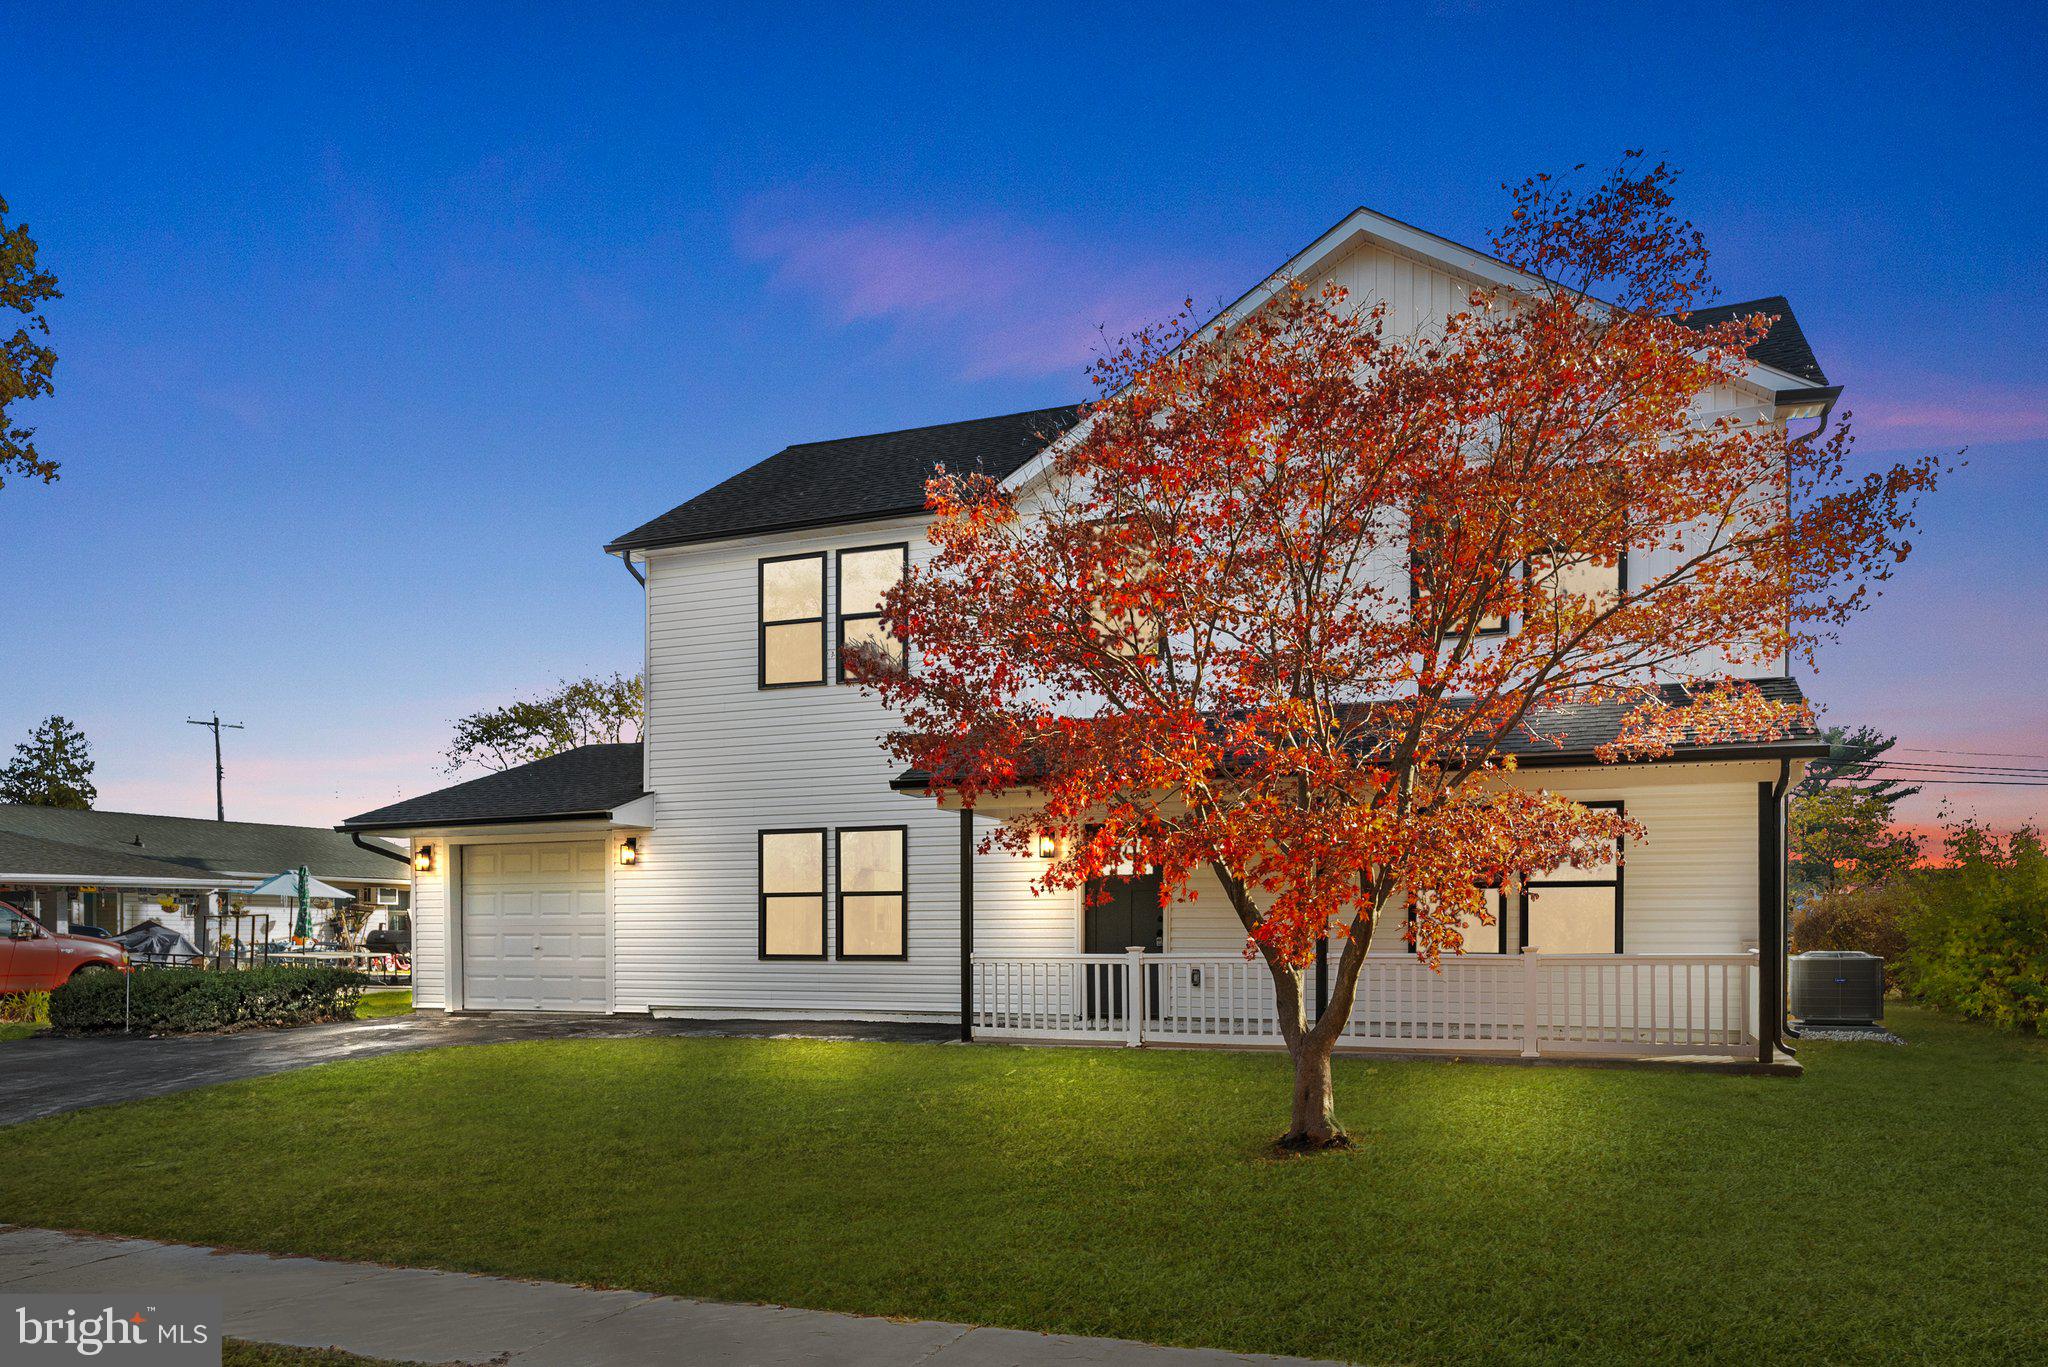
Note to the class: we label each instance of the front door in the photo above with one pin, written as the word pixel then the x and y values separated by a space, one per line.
pixel 1126 915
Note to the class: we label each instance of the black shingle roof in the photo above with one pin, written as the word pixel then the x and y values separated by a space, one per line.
pixel 1784 347
pixel 590 780
pixel 1569 734
pixel 852 479
pixel 202 848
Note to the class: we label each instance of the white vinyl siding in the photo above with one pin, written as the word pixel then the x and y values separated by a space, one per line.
pixel 727 760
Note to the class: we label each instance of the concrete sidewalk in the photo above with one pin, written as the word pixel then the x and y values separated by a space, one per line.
pixel 421 1316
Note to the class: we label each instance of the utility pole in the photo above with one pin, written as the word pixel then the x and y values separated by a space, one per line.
pixel 220 809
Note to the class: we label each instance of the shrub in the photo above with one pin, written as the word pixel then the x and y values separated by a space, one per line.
pixel 1870 919
pixel 178 1000
pixel 25 1008
pixel 1977 941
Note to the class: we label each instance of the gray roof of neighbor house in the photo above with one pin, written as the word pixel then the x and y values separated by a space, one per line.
pixel 1569 733
pixel 27 857
pixel 589 781
pixel 852 479
pixel 200 848
pixel 1784 347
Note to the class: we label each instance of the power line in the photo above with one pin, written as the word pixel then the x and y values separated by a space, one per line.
pixel 1980 754
pixel 2028 770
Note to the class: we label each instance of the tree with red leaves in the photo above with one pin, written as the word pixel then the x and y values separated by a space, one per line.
pixel 1248 618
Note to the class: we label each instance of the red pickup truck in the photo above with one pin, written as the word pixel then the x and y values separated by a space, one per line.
pixel 35 960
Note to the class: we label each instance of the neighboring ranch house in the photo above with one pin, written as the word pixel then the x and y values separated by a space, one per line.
pixel 114 870
pixel 757 855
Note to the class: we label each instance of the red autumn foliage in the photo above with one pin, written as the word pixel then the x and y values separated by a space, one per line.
pixel 1240 620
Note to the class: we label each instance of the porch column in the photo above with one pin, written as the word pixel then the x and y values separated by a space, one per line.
pixel 967 923
pixel 1770 921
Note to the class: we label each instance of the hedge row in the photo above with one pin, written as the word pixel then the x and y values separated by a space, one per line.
pixel 175 1000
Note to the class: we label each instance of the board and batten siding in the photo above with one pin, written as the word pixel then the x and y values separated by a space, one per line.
pixel 727 760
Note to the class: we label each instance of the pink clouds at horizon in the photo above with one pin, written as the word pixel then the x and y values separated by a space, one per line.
pixel 1012 300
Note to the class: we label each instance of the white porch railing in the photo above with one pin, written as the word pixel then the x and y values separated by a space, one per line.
pixel 1528 1004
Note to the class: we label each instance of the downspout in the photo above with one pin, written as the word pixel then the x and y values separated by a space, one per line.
pixel 1784 949
pixel 966 924
pixel 357 837
pixel 626 559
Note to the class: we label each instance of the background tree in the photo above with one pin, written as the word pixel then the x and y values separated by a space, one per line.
pixel 1855 760
pixel 1242 624
pixel 586 712
pixel 1842 840
pixel 26 363
pixel 52 768
pixel 1840 834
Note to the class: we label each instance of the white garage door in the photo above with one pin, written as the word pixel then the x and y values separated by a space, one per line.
pixel 533 927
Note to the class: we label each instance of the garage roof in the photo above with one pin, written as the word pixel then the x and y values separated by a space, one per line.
pixel 589 781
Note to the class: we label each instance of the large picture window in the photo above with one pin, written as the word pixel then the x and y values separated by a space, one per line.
pixel 872 906
pixel 1479 936
pixel 792 873
pixel 792 614
pixel 1576 911
pixel 865 576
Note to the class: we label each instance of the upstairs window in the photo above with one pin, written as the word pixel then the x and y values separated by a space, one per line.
pixel 871 892
pixel 1421 569
pixel 792 872
pixel 1576 911
pixel 792 617
pixel 1564 575
pixel 865 577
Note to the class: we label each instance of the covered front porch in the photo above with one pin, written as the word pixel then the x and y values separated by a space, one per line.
pixel 1673 953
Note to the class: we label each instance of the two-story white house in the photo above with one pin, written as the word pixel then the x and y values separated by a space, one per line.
pixel 758 856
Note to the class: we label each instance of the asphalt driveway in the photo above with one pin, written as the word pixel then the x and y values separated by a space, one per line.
pixel 46 1075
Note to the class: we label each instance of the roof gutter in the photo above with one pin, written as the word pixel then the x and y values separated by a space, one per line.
pixel 357 837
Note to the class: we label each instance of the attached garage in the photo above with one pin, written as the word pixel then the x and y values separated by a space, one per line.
pixel 533 927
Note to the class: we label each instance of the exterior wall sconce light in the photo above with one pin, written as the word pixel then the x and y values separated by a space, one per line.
pixel 629 850
pixel 1047 846
pixel 423 859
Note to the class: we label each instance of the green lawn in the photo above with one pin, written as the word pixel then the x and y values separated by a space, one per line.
pixel 243 1353
pixel 383 1001
pixel 1891 1205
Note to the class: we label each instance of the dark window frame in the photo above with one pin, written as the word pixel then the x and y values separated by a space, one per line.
pixel 761 893
pixel 840 894
pixel 1616 882
pixel 761 622
pixel 842 616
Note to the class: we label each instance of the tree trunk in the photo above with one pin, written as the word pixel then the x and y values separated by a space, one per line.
pixel 1314 1124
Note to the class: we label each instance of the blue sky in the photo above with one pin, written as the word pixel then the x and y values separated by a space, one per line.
pixel 379 324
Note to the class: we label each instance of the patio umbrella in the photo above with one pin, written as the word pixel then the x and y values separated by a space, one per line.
pixel 286 884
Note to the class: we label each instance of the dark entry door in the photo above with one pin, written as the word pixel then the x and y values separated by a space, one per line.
pixel 1128 913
